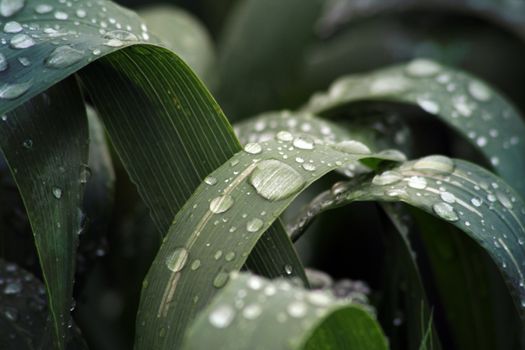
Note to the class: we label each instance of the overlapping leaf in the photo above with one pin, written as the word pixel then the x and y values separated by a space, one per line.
pixel 249 307
pixel 220 224
pixel 478 113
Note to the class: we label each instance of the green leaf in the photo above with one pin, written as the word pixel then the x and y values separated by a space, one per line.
pixel 478 113
pixel 183 34
pixel 476 202
pixel 261 80
pixel 220 224
pixel 245 314
pixel 48 170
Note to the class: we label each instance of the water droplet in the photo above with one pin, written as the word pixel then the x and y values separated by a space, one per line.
pixel 309 167
pixel 210 180
pixel 11 314
pixel 85 174
pixel 476 201
pixel 218 254
pixel 43 9
pixel 12 288
pixel 318 298
pixel 284 136
pixel 28 144
pixel 481 141
pixel 64 56
pixel 3 62
pixel 120 35
pixel 417 182
pixel 254 225
pixel 479 91
pixel 288 269
pixel 422 68
pixel 61 15
pixel 389 85
pixel 253 148
pixel 13 27
pixel 222 316
pixel 275 180
pixel 297 309
pixel 428 106
pixel 504 200
pixel 252 311
pixel 57 192
pixel 81 13
pixel 448 197
pixel 303 142
pixel 195 264
pixel 435 164
pixel 24 61
pixel 21 41
pixel 177 259
pixel 9 8
pixel 352 147
pixel 114 43
pixel 255 283
pixel 445 211
pixel 221 204
pixel 387 178
pixel 220 280
pixel 229 256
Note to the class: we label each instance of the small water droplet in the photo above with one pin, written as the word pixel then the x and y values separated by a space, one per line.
pixel 21 41
pixel 12 288
pixel 229 256
pixel 81 13
pixel 479 91
pixel 417 182
pixel 43 9
pixel 422 68
pixel 387 178
pixel 222 316
pixel 253 148
pixel 284 136
pixel 303 142
pixel 3 62
pixel 218 254
pixel 28 144
pixel 308 167
pixel 120 35
pixel 435 164
pixel 428 106
pixel 13 27
pixel 255 283
pixel 504 200
pixel 476 201
pixel 275 180
pixel 210 180
pixel 63 56
pixel 448 197
pixel 61 15
pixel 297 309
pixel 352 147
pixel 11 314
pixel 288 269
pixel 57 192
pixel 254 225
pixel 85 174
pixel 9 8
pixel 177 259
pixel 445 211
pixel 221 204
pixel 318 298
pixel 195 264
pixel 220 280
pixel 252 311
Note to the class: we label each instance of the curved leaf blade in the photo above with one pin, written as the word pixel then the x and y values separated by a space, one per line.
pixel 482 116
pixel 48 173
pixel 221 223
pixel 244 314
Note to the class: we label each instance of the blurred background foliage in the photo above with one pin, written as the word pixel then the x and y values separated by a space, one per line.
pixel 260 55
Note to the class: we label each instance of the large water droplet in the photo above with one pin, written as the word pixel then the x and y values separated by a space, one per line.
pixel 43 9
pixel 210 180
pixel 254 225
pixel 121 35
pixel 387 178
pixel 63 56
pixel 222 316
pixel 10 7
pixel 13 27
pixel 61 15
pixel 12 91
pixel 275 180
pixel 303 142
pixel 445 211
pixel 220 280
pixel 504 200
pixel 253 148
pixel 417 182
pixel 435 164
pixel 221 204
pixel 479 91
pixel 352 147
pixel 177 259
pixel 284 136
pixel 423 68
pixel 21 41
